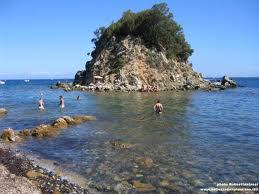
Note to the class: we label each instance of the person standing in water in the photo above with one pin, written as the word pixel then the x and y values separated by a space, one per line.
pixel 78 98
pixel 61 102
pixel 158 107
pixel 41 104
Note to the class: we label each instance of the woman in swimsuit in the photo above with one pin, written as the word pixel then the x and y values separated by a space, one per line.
pixel 41 104
pixel 61 102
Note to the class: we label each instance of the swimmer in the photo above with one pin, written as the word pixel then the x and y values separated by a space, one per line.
pixel 78 98
pixel 158 107
pixel 41 104
pixel 61 102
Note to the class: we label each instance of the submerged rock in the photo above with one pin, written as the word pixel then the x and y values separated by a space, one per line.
pixel 143 187
pixel 3 112
pixel 117 144
pixel 146 162
pixel 123 187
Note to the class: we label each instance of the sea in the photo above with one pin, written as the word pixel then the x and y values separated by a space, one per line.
pixel 202 138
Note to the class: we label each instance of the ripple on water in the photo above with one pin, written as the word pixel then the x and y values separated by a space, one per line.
pixel 202 137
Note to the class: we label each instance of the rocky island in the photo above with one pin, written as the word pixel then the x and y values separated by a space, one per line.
pixel 144 51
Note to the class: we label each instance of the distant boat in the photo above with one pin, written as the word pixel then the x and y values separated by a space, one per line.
pixel 2 82
pixel 26 80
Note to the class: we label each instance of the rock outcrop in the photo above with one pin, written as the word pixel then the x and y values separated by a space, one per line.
pixel 9 135
pixel 144 51
pixel 3 112
pixel 128 64
pixel 227 82
pixel 45 130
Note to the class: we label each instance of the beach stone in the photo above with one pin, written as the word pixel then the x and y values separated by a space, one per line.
pixel 32 174
pixel 122 187
pixel 143 187
pixel 117 144
pixel 164 183
pixel 3 112
pixel 146 162
pixel 9 135
pixel 12 184
pixel 56 192
pixel 186 174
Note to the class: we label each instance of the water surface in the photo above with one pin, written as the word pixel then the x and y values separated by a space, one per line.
pixel 202 137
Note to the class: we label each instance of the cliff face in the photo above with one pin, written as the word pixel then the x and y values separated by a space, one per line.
pixel 127 64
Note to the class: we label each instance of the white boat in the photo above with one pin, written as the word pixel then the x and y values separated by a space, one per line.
pixel 2 82
pixel 26 80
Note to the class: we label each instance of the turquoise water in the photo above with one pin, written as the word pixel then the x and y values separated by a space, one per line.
pixel 201 139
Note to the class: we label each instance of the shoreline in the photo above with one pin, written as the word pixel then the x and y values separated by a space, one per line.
pixel 208 85
pixel 36 174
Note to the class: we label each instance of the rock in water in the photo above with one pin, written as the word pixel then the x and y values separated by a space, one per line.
pixel 60 123
pixel 146 162
pixel 46 130
pixel 136 56
pixel 140 69
pixel 3 112
pixel 9 135
pixel 143 187
pixel 226 81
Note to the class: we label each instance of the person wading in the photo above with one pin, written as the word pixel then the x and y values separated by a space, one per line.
pixel 158 107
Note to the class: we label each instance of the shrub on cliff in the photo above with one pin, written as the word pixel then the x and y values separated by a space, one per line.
pixel 155 26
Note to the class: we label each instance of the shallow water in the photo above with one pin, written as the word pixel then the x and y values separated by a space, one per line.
pixel 201 139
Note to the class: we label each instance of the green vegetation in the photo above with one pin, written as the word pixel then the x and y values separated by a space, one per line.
pixel 155 26
pixel 119 63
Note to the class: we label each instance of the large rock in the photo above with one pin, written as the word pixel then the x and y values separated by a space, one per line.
pixel 227 82
pixel 3 112
pixel 44 131
pixel 60 123
pixel 128 65
pixel 9 135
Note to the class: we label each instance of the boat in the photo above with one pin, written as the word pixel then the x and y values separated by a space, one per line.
pixel 26 80
pixel 2 82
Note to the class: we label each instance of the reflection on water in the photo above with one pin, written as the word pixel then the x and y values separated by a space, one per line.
pixel 202 137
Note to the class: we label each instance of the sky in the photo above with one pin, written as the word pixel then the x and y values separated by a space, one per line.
pixel 51 38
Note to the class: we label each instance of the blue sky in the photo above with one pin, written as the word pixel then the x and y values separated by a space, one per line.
pixel 51 38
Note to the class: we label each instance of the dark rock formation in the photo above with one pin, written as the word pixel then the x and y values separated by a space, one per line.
pixel 226 81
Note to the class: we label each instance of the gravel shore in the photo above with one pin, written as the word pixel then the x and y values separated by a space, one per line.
pixel 18 174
